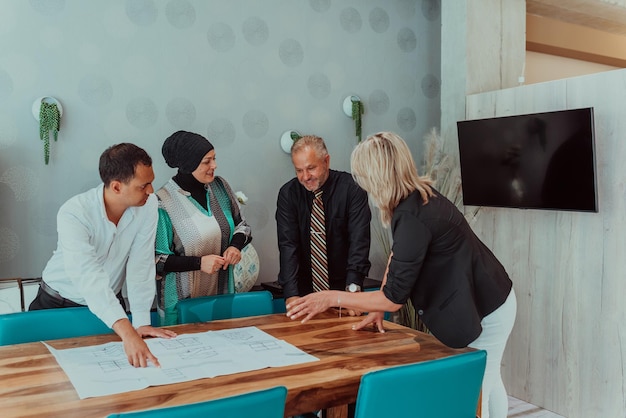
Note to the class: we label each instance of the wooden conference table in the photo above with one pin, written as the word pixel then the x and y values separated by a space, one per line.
pixel 32 384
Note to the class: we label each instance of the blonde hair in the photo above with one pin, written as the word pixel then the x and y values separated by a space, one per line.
pixel 383 166
pixel 312 141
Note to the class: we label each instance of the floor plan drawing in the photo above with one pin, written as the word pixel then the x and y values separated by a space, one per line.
pixel 104 369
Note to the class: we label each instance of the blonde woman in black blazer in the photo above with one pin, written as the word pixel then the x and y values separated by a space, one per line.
pixel 458 287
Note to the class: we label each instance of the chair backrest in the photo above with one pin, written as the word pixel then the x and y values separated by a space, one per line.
pixel 443 388
pixel 267 403
pixel 20 285
pixel 49 324
pixel 232 305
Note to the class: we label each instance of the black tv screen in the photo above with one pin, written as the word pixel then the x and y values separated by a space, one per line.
pixel 533 161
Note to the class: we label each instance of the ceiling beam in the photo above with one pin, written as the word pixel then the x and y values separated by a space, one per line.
pixel 555 37
pixel 604 15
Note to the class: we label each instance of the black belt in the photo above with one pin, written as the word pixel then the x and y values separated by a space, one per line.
pixel 51 292
pixel 56 296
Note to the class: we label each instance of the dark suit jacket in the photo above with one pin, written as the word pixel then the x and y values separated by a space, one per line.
pixel 347 234
pixel 452 278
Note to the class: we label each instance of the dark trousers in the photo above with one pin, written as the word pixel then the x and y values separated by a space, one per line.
pixel 50 299
pixel 44 300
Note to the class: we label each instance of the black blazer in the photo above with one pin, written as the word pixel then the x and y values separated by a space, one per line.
pixel 347 234
pixel 452 278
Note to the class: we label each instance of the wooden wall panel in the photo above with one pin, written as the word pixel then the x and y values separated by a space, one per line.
pixel 495 45
pixel 568 346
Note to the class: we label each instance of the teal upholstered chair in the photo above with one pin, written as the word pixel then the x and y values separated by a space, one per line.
pixel 49 324
pixel 279 305
pixel 442 388
pixel 268 403
pixel 232 305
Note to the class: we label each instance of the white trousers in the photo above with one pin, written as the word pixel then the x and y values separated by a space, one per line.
pixel 497 327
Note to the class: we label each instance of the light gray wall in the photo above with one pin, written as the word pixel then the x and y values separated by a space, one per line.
pixel 240 72
pixel 567 349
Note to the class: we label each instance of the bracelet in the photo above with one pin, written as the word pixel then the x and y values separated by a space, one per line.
pixel 339 304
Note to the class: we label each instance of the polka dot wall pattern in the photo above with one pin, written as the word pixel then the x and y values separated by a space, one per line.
pixel 23 181
pixel 378 102
pixel 180 13
pixel 319 85
pixel 431 9
pixel 320 5
pixel 255 123
pixel 181 113
pixel 431 86
pixel 141 12
pixel 407 119
pixel 221 37
pixel 95 90
pixel 48 7
pixel 255 31
pixel 407 41
pixel 291 52
pixel 221 132
pixel 379 20
pixel 238 72
pixel 142 112
pixel 9 244
pixel 350 20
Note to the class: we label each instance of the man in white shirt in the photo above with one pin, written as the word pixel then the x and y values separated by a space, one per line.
pixel 106 240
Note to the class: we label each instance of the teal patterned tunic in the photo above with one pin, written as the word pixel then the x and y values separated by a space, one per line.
pixel 187 228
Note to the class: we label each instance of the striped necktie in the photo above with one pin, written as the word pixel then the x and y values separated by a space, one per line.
pixel 319 261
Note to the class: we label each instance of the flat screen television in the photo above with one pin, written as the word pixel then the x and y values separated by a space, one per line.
pixel 532 161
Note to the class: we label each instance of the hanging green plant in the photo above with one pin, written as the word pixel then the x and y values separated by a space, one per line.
pixel 295 136
pixel 357 111
pixel 49 120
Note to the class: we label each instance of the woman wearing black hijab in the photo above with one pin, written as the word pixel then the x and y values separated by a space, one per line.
pixel 201 231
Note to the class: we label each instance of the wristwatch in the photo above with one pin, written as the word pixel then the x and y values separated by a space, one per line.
pixel 353 288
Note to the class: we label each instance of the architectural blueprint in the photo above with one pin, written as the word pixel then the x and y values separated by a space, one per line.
pixel 104 369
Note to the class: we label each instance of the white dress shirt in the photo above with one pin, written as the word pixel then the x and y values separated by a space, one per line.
pixel 95 258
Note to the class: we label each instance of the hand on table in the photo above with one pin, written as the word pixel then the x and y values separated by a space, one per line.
pixel 150 331
pixel 373 318
pixel 308 306
pixel 137 350
pixel 135 347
